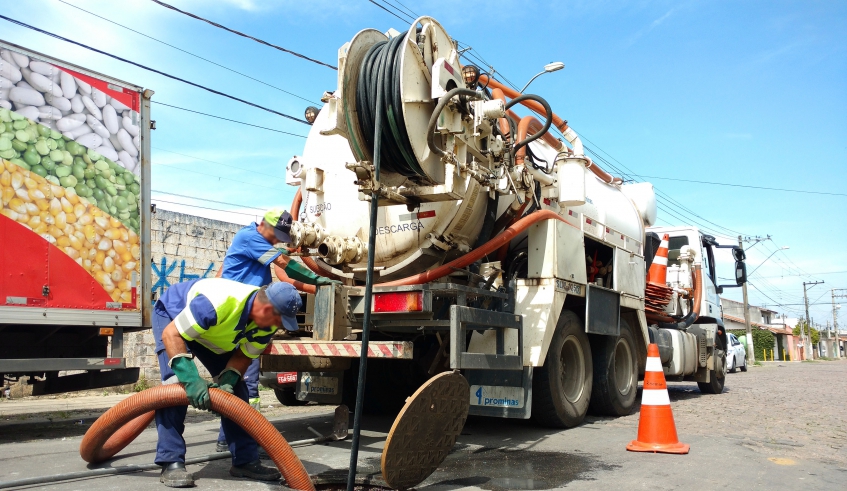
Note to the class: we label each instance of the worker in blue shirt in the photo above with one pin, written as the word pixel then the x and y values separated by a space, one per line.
pixel 248 260
pixel 225 325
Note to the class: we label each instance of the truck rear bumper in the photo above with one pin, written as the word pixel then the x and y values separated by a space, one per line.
pixel 342 349
pixel 31 365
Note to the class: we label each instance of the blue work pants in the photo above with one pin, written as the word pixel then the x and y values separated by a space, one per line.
pixel 170 422
pixel 251 378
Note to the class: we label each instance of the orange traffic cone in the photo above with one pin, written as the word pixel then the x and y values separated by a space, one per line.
pixel 656 429
pixel 658 273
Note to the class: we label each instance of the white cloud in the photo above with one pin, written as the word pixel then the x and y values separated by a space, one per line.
pixel 648 28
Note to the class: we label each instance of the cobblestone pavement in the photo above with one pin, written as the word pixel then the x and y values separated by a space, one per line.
pixel 778 426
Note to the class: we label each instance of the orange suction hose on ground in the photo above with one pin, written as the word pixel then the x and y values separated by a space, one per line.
pixel 118 426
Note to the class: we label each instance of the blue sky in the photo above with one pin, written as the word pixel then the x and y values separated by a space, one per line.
pixel 751 93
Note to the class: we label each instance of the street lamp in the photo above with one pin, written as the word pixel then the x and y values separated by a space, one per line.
pixel 550 67
pixel 763 262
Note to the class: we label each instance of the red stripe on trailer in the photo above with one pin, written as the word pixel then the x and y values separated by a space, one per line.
pixel 287 349
pixel 351 350
pixel 334 350
pixel 426 214
pixel 371 353
pixel 386 351
pixel 318 350
pixel 303 350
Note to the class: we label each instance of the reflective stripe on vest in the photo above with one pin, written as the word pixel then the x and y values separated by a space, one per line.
pixel 229 299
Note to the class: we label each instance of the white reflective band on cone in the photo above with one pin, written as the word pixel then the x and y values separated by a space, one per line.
pixel 661 260
pixel 653 365
pixel 651 397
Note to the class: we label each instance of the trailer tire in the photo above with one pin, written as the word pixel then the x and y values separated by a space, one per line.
pixel 717 378
pixel 615 373
pixel 287 397
pixel 561 388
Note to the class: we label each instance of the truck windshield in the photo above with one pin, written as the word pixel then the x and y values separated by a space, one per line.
pixel 674 245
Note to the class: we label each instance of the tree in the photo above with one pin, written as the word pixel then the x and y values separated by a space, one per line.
pixel 813 333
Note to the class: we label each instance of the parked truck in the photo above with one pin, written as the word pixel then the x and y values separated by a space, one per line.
pixel 502 251
pixel 74 222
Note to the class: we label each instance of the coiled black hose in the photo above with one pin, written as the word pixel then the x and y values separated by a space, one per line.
pixel 433 120
pixel 396 154
pixel 548 118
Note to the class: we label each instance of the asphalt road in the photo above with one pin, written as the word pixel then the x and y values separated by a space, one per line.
pixel 781 426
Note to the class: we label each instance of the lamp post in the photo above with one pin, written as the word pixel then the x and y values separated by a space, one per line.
pixel 548 68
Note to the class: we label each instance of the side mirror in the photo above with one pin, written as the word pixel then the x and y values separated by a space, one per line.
pixel 740 272
pixel 719 289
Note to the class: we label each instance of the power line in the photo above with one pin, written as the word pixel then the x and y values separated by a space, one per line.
pixel 809 274
pixel 13 21
pixel 214 162
pixel 206 200
pixel 172 166
pixel 745 186
pixel 188 52
pixel 207 208
pixel 219 26
pixel 390 12
pixel 227 119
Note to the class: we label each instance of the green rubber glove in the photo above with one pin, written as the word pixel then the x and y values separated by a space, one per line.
pixel 196 388
pixel 297 271
pixel 323 280
pixel 228 379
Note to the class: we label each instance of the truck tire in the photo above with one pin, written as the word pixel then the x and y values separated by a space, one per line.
pixel 615 373
pixel 287 397
pixel 717 378
pixel 561 388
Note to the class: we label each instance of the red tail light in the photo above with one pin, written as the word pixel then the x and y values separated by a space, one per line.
pixel 398 302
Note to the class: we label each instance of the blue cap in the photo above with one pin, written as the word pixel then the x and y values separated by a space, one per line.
pixel 286 299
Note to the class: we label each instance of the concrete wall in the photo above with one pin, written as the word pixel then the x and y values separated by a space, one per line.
pixel 184 247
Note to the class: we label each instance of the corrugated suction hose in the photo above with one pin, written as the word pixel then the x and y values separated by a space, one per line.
pixel 121 424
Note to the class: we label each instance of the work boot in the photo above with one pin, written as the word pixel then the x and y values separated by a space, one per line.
pixel 174 475
pixel 221 446
pixel 255 470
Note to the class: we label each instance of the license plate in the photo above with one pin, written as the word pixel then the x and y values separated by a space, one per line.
pixel 286 378
pixel 319 385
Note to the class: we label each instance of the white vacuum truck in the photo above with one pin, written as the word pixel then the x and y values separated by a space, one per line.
pixel 501 251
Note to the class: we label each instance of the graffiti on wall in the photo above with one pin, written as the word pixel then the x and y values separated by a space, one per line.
pixel 170 270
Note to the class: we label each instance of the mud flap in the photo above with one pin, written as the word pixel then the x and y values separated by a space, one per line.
pixel 500 393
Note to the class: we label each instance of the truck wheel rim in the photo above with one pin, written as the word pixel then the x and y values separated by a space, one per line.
pixel 623 367
pixel 573 369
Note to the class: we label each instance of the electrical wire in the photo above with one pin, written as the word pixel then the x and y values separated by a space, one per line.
pixel 255 215
pixel 188 52
pixel 215 162
pixel 390 12
pixel 239 33
pixel 823 193
pixel 227 119
pixel 164 74
pixel 174 166
pixel 206 200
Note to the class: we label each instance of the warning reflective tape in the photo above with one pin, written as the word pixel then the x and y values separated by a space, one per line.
pixel 380 349
pixel 655 398
pixel 661 260
pixel 653 365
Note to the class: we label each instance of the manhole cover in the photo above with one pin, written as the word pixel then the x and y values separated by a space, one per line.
pixel 425 430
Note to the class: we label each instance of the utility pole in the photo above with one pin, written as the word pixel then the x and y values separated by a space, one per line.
pixel 751 353
pixel 808 341
pixel 841 293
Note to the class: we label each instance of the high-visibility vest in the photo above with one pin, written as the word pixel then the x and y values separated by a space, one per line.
pixel 233 328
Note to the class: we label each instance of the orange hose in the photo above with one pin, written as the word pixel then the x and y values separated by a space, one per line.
pixel 504 249
pixel 558 122
pixel 480 252
pixel 101 440
pixel 697 296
